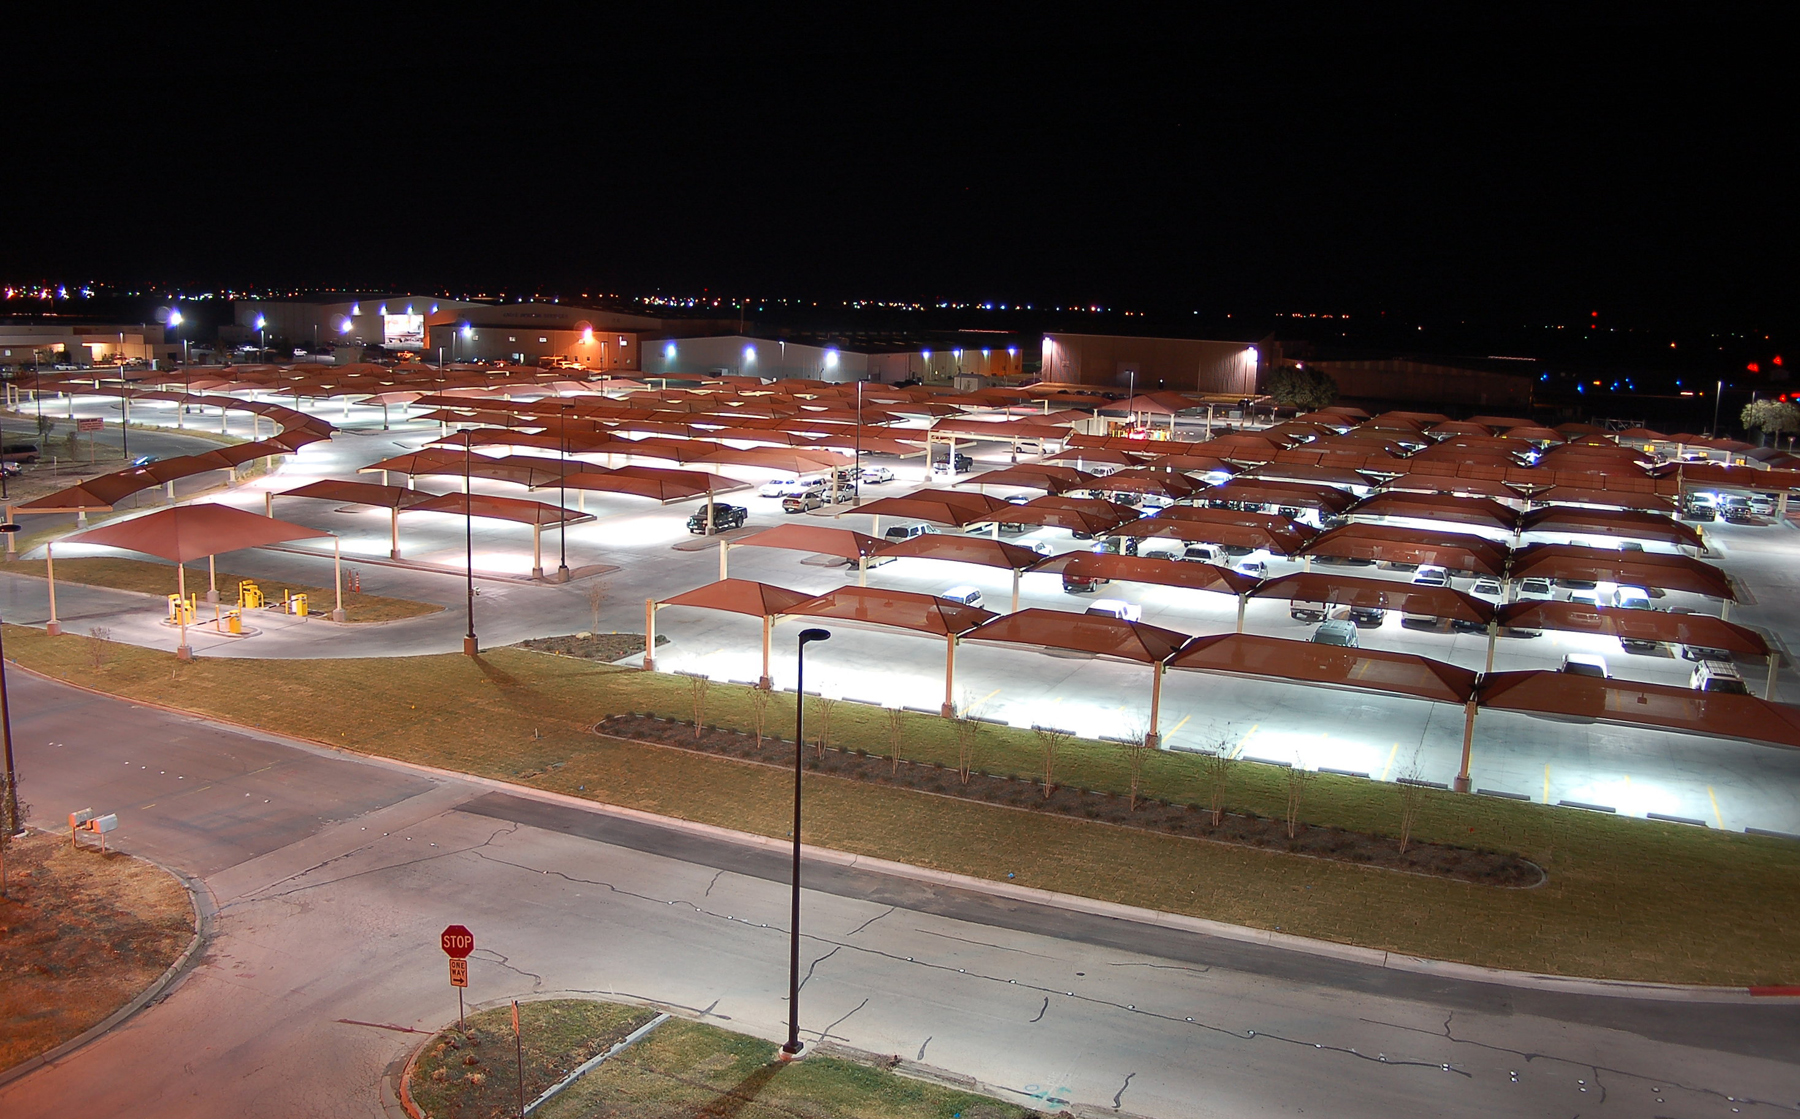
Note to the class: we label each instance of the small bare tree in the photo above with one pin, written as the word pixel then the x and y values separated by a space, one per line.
pixel 968 730
pixel 99 647
pixel 700 685
pixel 1134 746
pixel 12 820
pixel 1298 777
pixel 1051 741
pixel 823 709
pixel 1216 768
pixel 596 598
pixel 1412 798
pixel 759 710
pixel 896 725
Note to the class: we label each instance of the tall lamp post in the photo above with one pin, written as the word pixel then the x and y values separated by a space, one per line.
pixel 807 637
pixel 470 645
pixel 9 809
pixel 562 498
pixel 1718 398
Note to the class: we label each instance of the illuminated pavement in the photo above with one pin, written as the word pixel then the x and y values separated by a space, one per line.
pixel 1719 783
pixel 331 878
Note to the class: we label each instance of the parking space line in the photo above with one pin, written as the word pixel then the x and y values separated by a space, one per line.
pixel 1717 818
pixel 1546 782
pixel 1245 741
pixel 1178 726
pixel 1389 767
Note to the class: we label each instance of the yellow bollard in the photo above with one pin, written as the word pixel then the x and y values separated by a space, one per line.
pixel 299 602
pixel 250 596
pixel 234 621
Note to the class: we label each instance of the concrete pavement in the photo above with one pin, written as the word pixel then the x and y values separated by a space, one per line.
pixel 332 876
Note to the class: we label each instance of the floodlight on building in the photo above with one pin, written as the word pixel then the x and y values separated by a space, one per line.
pixel 926 354
pixel 355 308
pixel 383 309
pixel 1012 351
pixel 831 359
pixel 434 308
pixel 174 318
pixel 984 352
pixel 587 335
pixel 749 355
pixel 468 331
pixel 343 324
pixel 669 352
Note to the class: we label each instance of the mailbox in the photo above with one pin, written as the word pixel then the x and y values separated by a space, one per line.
pixel 78 819
pixel 104 824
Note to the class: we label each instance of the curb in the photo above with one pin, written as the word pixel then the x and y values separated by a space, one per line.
pixel 200 901
pixel 1373 957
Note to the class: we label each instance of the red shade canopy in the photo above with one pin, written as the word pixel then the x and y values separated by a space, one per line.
pixel 360 493
pixel 1715 714
pixel 1098 634
pixel 1385 594
pixel 1635 625
pixel 980 550
pixel 739 596
pixel 1243 654
pixel 920 613
pixel 190 532
pixel 839 542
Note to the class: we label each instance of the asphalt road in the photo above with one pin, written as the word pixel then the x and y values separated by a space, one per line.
pixel 331 877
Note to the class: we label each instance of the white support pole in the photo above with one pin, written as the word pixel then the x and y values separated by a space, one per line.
pixel 1463 782
pixel 537 551
pixel 724 562
pixel 337 577
pixel 394 529
pixel 862 571
pixel 269 504
pixel 649 635
pixel 12 546
pixel 54 627
pixel 765 681
pixel 1152 738
pixel 182 652
pixel 212 579
pixel 1243 600
pixel 1015 594
pixel 1768 689
pixel 1493 633
pixel 949 708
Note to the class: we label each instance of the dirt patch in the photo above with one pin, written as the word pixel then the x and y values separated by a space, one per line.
pixel 146 577
pixel 81 934
pixel 1244 829
pixel 606 647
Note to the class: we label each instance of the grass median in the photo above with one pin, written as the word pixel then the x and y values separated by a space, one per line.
pixel 1626 898
pixel 159 579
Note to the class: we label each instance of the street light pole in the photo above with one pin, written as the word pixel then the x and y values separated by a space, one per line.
pixel 1718 398
pixel 9 809
pixel 562 499
pixel 807 637
pixel 470 645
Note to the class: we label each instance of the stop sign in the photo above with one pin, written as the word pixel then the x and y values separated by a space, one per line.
pixel 457 942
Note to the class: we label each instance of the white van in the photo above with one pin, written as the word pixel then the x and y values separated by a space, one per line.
pixel 966 595
pixel 1116 608
pixel 1586 664
pixel 1717 676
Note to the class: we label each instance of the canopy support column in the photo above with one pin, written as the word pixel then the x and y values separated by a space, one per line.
pixel 765 681
pixel 1493 633
pixel 54 627
pixel 337 578
pixel 875 529
pixel 12 547
pixel 1152 737
pixel 212 579
pixel 1015 595
pixel 1462 777
pixel 269 504
pixel 649 635
pixel 1724 609
pixel 1243 601
pixel 537 551
pixel 224 416
pixel 182 652
pixel 948 710
pixel 169 490
pixel 1307 561
pixel 862 571
pixel 394 529
pixel 1768 689
pixel 724 563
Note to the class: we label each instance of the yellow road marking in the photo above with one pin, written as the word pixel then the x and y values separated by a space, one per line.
pixel 1389 767
pixel 1245 741
pixel 1546 783
pixel 1717 819
pixel 1178 726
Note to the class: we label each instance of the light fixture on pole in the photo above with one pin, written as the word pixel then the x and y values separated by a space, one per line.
pixel 1718 398
pixel 807 636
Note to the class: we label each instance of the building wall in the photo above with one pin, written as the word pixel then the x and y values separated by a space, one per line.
pixel 524 344
pixel 81 344
pixel 350 320
pixel 1417 382
pixel 1178 364
pixel 775 359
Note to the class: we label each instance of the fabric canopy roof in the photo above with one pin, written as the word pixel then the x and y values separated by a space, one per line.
pixel 1636 625
pixel 360 493
pixel 190 532
pixel 740 596
pixel 1627 524
pixel 1079 514
pixel 1098 634
pixel 1458 552
pixel 521 510
pixel 1243 654
pixel 1640 569
pixel 796 460
pixel 1146 569
pixel 980 550
pixel 920 613
pixel 1145 480
pixel 1053 479
pixel 1297 495
pixel 1437 507
pixel 1385 594
pixel 650 481
pixel 431 460
pixel 934 507
pixel 1716 714
pixel 1617 499
pixel 840 542
pixel 1228 530
pixel 1419 482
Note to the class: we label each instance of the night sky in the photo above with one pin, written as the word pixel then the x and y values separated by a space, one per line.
pixel 1528 167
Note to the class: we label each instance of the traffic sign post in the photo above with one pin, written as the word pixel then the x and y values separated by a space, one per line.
pixel 457 942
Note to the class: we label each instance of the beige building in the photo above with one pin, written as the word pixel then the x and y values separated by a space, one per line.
pixel 1178 364
pixel 48 344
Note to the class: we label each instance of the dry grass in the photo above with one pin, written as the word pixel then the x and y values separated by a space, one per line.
pixel 1620 901
pixel 147 577
pixel 81 934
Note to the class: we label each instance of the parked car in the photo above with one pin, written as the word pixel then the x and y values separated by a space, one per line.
pixel 1306 611
pixel 1632 598
pixel 1486 587
pixel 1367 615
pixel 723 517
pixel 1717 676
pixel 1336 632
pixel 906 532
pixel 966 595
pixel 780 486
pixel 1585 664
pixel 1705 653
pixel 1536 589
pixel 876 475
pixel 1110 546
pixel 1204 553
pixel 802 502
pixel 1081 584
pixel 1116 608
pixel 1430 575
pixel 1255 568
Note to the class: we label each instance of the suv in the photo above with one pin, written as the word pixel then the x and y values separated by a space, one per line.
pixel 962 464
pixel 1717 676
pixel 1204 553
pixel 1430 575
pixel 723 517
pixel 1535 589
pixel 1586 664
pixel 1116 608
pixel 1336 632
pixel 906 532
